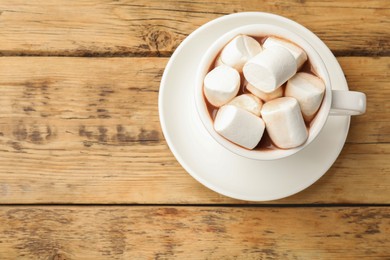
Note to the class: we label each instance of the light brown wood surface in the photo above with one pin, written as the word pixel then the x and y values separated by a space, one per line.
pixel 93 124
pixel 194 233
pixel 138 28
pixel 79 124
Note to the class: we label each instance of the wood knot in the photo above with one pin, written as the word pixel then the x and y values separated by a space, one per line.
pixel 59 256
pixel 159 40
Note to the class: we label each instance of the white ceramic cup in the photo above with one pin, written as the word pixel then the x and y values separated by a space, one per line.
pixel 335 102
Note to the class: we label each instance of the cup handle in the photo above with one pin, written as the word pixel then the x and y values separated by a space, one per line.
pixel 348 103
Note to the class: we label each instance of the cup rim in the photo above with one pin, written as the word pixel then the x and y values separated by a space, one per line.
pixel 258 30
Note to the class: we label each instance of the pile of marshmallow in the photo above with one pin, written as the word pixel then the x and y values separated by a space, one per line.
pixel 282 109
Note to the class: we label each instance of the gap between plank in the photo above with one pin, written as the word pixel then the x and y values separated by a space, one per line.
pixel 321 205
pixel 164 54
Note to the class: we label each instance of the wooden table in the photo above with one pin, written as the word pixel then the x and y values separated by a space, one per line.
pixel 85 172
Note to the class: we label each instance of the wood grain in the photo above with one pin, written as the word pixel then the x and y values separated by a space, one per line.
pixel 77 130
pixel 136 28
pixel 194 233
pixel 372 77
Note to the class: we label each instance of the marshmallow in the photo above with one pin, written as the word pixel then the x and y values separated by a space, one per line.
pixel 265 96
pixel 239 126
pixel 248 102
pixel 239 50
pixel 308 90
pixel 284 122
pixel 298 53
pixel 218 61
pixel 269 69
pixel 221 85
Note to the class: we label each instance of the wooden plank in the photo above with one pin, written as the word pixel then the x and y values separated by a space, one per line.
pixel 128 28
pixel 76 130
pixel 150 174
pixel 112 90
pixel 194 233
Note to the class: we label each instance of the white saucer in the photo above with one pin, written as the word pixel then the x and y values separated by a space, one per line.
pixel 210 163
